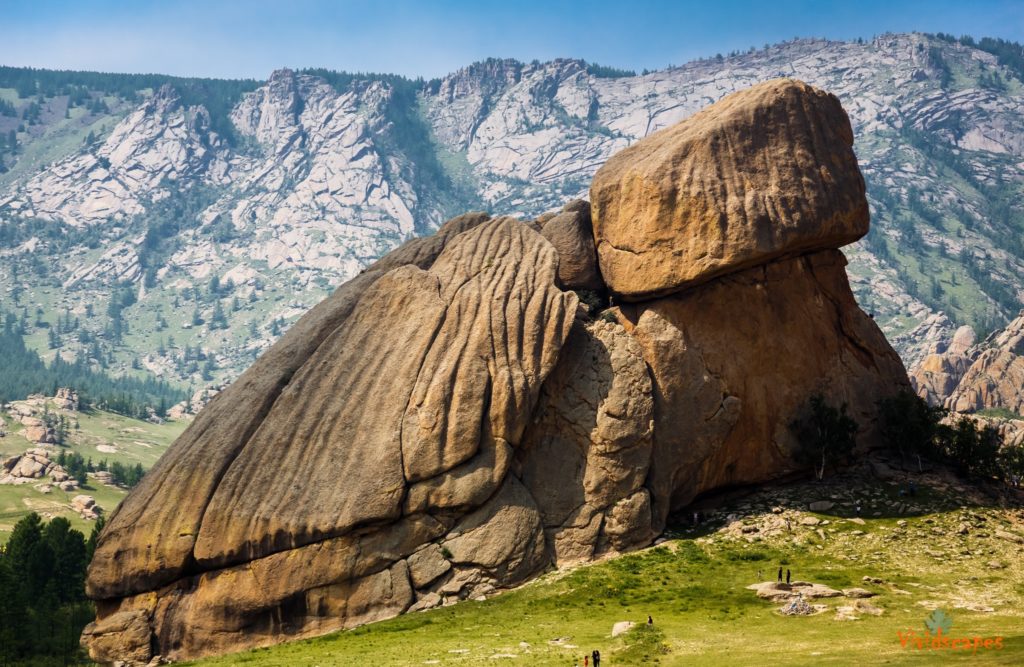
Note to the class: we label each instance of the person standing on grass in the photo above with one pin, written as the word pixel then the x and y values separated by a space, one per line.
pixel 596 655
pixel 586 660
pixel 787 576
pixel 780 574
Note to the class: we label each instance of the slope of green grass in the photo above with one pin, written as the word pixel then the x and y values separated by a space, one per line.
pixel 694 587
pixel 100 435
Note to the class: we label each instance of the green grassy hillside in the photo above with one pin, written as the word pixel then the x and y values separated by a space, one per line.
pixel 100 435
pixel 949 547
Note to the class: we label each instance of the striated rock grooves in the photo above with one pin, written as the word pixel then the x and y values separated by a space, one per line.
pixel 288 471
pixel 455 371
pixel 451 421
pixel 150 537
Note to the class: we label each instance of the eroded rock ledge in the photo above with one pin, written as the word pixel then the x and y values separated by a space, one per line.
pixel 453 420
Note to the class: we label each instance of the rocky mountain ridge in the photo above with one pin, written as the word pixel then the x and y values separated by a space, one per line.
pixel 225 243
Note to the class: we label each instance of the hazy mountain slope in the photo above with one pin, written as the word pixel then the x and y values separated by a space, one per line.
pixel 940 137
pixel 208 231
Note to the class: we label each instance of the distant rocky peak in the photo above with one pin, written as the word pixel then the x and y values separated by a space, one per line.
pixel 162 124
pixel 263 113
pixel 1010 339
pixel 166 96
pixel 481 78
pixel 292 109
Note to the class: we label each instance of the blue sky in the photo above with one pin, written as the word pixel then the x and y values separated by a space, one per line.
pixel 250 38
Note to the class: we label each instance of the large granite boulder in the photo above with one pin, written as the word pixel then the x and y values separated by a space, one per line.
pixel 765 172
pixel 735 361
pixel 149 540
pixel 572 234
pixel 453 421
pixel 400 395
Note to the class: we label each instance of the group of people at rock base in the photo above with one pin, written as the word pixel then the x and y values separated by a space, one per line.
pixel 788 575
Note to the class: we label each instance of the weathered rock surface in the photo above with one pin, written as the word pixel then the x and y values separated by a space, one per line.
pixel 571 233
pixel 440 369
pixel 125 634
pixel 766 172
pixel 149 540
pixel 732 368
pixel 996 377
pixel 451 422
pixel 585 457
pixel 938 374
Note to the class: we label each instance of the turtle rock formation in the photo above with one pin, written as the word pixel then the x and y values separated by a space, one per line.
pixel 453 420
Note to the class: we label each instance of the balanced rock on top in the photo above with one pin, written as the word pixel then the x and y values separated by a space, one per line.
pixel 766 172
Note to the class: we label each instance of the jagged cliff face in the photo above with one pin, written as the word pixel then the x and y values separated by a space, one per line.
pixel 323 180
pixel 967 377
pixel 158 145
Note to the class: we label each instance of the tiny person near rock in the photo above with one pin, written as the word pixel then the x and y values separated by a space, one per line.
pixel 787 576
pixel 780 575
pixel 596 655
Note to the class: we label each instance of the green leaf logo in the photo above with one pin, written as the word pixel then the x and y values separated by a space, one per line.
pixel 938 622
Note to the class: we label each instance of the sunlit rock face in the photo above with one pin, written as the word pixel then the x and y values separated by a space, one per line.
pixel 454 420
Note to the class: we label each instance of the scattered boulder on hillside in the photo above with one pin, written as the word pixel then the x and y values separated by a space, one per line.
pixel 452 421
pixel 86 507
pixel 66 399
pixel 30 467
